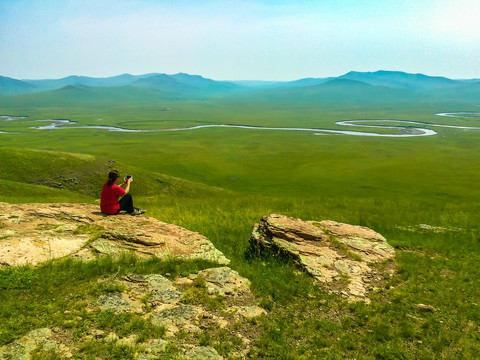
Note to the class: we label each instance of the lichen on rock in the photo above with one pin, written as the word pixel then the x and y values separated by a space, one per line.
pixel 224 281
pixel 203 353
pixel 23 348
pixel 118 303
pixel 177 315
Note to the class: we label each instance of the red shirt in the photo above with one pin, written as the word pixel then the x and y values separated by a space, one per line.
pixel 109 199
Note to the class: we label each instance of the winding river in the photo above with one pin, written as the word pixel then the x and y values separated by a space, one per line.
pixel 406 131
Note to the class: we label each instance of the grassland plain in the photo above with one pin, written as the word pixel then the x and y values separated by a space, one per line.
pixel 220 181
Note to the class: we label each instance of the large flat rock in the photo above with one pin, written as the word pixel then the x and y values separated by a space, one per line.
pixel 341 256
pixel 35 233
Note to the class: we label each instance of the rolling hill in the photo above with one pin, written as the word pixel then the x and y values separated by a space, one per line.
pixel 9 86
pixel 178 84
pixel 466 91
pixel 81 95
pixel 80 176
pixel 51 84
pixel 336 91
pixel 355 86
pixel 193 85
pixel 401 80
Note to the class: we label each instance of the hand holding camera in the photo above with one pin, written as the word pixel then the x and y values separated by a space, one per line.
pixel 128 178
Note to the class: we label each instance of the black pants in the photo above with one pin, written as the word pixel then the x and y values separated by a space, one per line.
pixel 126 203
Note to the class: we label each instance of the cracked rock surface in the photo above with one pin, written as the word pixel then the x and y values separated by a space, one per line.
pixel 35 233
pixel 341 256
pixel 162 300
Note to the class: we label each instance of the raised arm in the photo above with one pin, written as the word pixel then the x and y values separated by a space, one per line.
pixel 127 182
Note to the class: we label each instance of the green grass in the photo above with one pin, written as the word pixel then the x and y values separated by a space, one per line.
pixel 219 182
pixel 17 192
pixel 295 299
pixel 56 294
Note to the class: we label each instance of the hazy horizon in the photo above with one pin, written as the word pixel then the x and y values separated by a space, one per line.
pixel 238 40
pixel 232 80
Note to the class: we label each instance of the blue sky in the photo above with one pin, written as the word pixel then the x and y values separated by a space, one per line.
pixel 238 39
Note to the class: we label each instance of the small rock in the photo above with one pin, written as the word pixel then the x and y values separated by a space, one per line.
pixel 116 302
pixel 111 337
pixel 250 312
pixel 183 281
pixel 245 341
pixel 21 349
pixel 203 353
pixel 128 341
pixel 157 282
pixel 222 323
pixel 155 346
pixel 172 330
pixel 96 333
pixel 225 281
pixel 425 307
pixel 65 351
pixel 176 315
pixel 191 329
pixel 166 296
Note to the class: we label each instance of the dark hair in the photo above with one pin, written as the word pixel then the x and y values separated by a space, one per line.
pixel 112 176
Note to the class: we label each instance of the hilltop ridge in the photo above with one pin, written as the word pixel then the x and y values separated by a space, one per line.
pixel 197 85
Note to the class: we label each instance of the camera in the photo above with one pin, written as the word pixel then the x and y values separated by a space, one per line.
pixel 128 177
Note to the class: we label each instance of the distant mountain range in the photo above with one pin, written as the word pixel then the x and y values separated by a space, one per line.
pixel 187 86
pixel 176 84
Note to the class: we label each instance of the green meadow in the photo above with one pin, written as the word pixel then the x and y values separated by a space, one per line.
pixel 220 181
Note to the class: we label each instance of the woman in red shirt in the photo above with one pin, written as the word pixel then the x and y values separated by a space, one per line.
pixel 109 202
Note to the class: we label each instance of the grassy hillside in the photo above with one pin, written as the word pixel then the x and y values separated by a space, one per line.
pixel 468 91
pixel 84 96
pixel 338 91
pixel 19 192
pixel 219 181
pixel 81 175
pixel 296 326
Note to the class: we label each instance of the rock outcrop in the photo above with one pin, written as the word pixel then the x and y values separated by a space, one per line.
pixel 214 298
pixel 35 233
pixel 186 306
pixel 341 256
pixel 190 306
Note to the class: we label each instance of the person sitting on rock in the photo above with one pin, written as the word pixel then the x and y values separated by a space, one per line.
pixel 109 202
